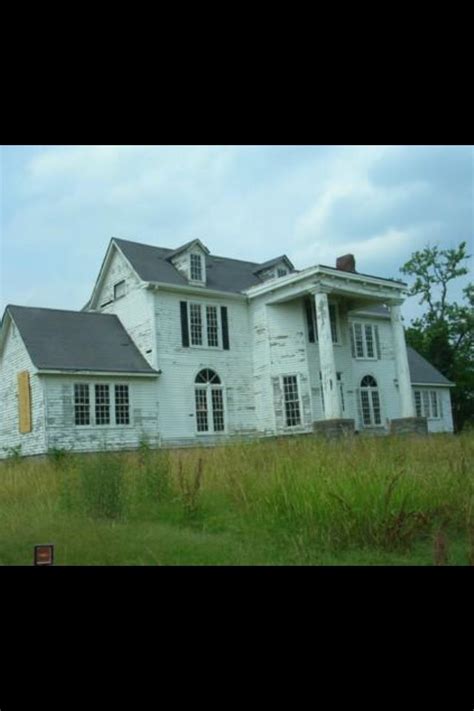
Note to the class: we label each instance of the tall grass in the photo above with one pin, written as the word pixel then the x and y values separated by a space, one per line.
pixel 293 499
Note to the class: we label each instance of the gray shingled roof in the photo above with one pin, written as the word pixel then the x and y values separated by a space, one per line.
pixel 222 274
pixel 77 340
pixel 423 372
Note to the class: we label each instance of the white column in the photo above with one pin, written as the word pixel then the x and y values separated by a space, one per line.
pixel 407 408
pixel 332 407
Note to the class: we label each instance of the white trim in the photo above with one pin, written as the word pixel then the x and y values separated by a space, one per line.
pixel 96 373
pixel 209 387
pixel 300 401
pixel 198 290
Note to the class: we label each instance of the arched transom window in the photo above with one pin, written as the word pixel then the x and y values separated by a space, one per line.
pixel 209 402
pixel 370 401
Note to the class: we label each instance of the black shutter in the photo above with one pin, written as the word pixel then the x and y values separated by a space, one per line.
pixel 309 318
pixel 225 328
pixel 184 323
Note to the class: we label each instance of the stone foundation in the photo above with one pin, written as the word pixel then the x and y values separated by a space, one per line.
pixel 409 425
pixel 334 428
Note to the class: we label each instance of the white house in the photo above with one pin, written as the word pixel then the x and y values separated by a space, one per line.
pixel 180 347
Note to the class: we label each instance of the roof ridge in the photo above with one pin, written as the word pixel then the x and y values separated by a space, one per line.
pixel 169 249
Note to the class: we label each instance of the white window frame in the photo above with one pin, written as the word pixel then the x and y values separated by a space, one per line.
pixel 281 272
pixel 370 389
pixel 363 326
pixel 203 310
pixel 201 260
pixel 208 388
pixel 92 415
pixel 429 395
pixel 300 401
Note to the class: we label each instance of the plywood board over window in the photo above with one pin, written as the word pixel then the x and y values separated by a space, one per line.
pixel 24 402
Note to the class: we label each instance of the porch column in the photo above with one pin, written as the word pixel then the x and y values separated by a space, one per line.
pixel 407 408
pixel 332 407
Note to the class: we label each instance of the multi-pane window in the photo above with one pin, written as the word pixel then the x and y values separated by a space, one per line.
pixel 122 405
pixel 204 327
pixel 313 322
pixel 195 324
pixel 370 402
pixel 292 401
pixel 365 341
pixel 427 404
pixel 196 267
pixel 102 405
pixel 209 399
pixel 81 404
pixel 212 326
pixel 281 272
pixel 95 405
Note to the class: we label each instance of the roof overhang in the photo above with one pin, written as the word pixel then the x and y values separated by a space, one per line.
pixel 101 373
pixel 197 290
pixel 362 289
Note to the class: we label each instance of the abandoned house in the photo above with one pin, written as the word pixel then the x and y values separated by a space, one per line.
pixel 179 347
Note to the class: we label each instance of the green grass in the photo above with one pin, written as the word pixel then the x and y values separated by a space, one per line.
pixel 291 501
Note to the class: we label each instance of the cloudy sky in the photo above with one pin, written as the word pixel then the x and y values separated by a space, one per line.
pixel 60 205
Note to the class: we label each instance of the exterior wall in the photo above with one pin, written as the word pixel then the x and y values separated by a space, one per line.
pixel 287 356
pixel 384 370
pixel 62 433
pixel 134 309
pixel 180 365
pixel 13 359
pixel 445 422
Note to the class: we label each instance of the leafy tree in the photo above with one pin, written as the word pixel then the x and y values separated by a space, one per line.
pixel 444 335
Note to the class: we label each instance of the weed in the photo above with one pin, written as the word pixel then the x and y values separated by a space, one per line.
pixel 189 488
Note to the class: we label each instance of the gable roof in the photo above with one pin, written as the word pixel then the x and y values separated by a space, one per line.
pixel 422 372
pixel 186 246
pixel 77 341
pixel 222 274
pixel 272 262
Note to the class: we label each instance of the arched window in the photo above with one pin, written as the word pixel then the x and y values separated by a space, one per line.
pixel 209 402
pixel 370 401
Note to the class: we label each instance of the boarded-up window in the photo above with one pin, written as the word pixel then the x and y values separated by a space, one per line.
pixel 24 402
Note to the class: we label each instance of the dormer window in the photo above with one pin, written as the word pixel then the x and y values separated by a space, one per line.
pixel 196 267
pixel 281 272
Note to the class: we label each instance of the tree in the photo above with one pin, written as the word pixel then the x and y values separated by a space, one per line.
pixel 444 335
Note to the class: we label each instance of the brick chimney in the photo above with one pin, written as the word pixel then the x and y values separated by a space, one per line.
pixel 346 263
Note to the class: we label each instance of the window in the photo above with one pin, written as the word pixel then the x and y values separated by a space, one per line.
pixel 427 404
pixel 370 402
pixel 81 405
pixel 196 267
pixel 119 289
pixel 292 401
pixel 209 400
pixel 204 325
pixel 281 272
pixel 102 405
pixel 365 341
pixel 312 322
pixel 93 404
pixel 122 405
pixel 212 326
pixel 196 324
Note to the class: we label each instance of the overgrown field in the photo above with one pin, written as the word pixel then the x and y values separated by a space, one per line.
pixel 296 500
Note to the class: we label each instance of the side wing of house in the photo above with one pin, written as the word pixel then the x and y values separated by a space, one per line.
pixel 120 291
pixel 22 413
